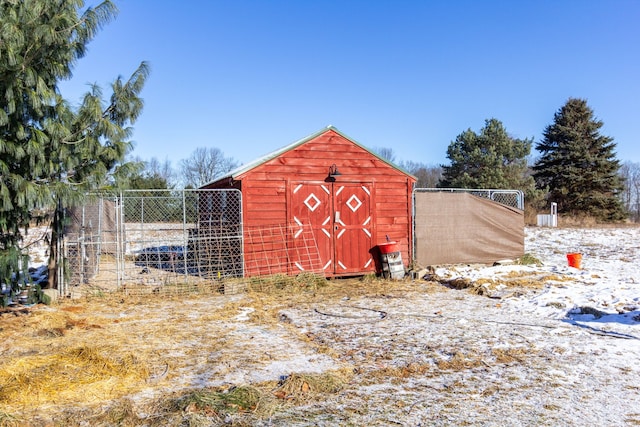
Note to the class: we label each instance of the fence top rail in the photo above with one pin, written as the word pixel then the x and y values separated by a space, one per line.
pixel 182 190
pixel 513 198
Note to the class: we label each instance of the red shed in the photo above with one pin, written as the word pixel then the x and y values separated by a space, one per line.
pixel 350 198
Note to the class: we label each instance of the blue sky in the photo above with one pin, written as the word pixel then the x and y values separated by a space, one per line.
pixel 249 77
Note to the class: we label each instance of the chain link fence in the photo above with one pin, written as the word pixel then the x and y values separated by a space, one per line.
pixel 151 240
pixel 177 241
pixel 512 198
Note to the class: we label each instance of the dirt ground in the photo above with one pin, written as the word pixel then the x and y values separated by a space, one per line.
pixel 349 353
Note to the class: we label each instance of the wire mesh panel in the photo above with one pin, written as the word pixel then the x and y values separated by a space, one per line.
pixel 280 254
pixel 215 244
pixel 281 249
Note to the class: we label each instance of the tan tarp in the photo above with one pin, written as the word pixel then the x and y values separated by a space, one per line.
pixel 93 223
pixel 454 228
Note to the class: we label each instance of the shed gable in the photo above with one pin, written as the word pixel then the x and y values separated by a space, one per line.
pixel 312 158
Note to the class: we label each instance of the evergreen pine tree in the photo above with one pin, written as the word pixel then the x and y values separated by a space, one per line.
pixel 51 153
pixel 490 159
pixel 578 166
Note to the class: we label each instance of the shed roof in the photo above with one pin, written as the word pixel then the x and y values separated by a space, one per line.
pixel 257 162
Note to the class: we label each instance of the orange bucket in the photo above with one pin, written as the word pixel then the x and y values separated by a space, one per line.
pixel 574 260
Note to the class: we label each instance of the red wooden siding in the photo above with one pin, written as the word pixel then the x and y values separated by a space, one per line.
pixel 268 197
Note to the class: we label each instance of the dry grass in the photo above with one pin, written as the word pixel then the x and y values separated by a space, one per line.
pixel 527 280
pixel 219 402
pixel 93 373
pixel 460 360
pixel 575 221
pixel 302 388
pixel 582 221
pixel 117 358
pixel 84 359
pixel 510 355
pixel 406 370
pixel 511 282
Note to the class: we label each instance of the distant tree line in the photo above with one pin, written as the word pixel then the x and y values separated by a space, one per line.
pixel 204 165
pixel 630 175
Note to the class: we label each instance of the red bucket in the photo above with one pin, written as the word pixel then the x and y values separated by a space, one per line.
pixel 574 260
pixel 389 247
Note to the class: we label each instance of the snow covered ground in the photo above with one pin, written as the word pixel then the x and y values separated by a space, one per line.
pixel 562 349
pixel 608 284
pixel 545 344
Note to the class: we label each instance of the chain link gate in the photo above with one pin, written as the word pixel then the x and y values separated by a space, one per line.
pixel 147 239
